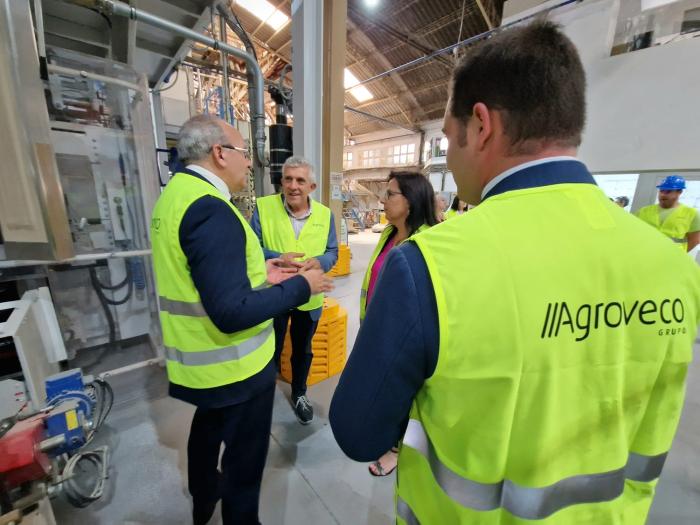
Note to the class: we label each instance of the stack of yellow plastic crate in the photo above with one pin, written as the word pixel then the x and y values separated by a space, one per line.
pixel 329 345
pixel 342 266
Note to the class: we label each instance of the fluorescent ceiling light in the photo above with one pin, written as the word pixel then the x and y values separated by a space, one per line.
pixel 371 3
pixel 266 12
pixel 361 93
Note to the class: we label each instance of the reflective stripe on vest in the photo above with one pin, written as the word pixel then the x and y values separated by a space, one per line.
pixel 405 513
pixel 174 307
pixel 181 307
pixel 218 355
pixel 644 468
pixel 528 502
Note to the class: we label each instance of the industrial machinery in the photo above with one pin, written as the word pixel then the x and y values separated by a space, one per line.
pixel 77 187
pixel 45 452
pixel 94 132
pixel 47 418
pixel 281 146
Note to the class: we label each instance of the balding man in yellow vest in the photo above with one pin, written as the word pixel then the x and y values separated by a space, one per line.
pixel 217 300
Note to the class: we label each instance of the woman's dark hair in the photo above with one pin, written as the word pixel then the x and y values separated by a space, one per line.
pixel 420 196
pixel 623 201
pixel 455 203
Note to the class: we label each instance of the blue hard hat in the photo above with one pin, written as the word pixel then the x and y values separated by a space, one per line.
pixel 672 182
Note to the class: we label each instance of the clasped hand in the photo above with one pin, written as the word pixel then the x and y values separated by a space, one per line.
pixel 282 268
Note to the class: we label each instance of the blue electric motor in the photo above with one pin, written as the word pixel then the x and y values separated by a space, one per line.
pixel 71 410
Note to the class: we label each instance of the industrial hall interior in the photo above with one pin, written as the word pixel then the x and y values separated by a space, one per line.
pixel 347 262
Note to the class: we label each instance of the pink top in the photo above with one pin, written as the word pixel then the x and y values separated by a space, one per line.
pixel 377 267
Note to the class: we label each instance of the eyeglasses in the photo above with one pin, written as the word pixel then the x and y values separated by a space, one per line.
pixel 244 151
pixel 387 194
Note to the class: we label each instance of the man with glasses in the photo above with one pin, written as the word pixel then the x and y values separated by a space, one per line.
pixel 295 227
pixel 217 298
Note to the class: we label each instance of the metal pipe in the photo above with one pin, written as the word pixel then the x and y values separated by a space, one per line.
pixel 421 160
pixel 52 442
pixel 78 258
pixel 130 368
pixel 480 4
pixel 61 70
pixel 233 75
pixel 380 119
pixel 226 102
pixel 40 38
pixel 384 139
pixel 463 43
pixel 257 103
pixel 258 164
pixel 213 74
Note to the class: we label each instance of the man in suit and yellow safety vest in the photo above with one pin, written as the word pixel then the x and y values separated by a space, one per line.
pixel 217 298
pixel 531 355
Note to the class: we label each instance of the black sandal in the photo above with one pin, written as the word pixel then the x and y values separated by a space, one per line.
pixel 380 469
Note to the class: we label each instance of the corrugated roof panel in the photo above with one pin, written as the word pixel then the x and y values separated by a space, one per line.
pixel 432 24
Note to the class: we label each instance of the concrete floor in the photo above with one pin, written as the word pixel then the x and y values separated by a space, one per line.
pixel 308 480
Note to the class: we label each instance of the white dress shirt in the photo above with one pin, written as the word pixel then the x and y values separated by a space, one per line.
pixel 218 183
pixel 492 183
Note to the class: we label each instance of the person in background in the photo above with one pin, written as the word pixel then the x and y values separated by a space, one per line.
pixel 523 394
pixel 293 226
pixel 622 201
pixel 410 208
pixel 678 222
pixel 217 298
pixel 458 208
pixel 440 206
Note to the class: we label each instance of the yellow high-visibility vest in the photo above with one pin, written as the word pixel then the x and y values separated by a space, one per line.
pixel 563 353
pixel 676 225
pixel 199 355
pixel 383 238
pixel 278 233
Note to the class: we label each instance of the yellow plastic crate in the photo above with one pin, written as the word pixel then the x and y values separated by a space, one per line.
pixel 342 265
pixel 329 345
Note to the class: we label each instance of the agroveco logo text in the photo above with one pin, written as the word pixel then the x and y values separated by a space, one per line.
pixel 561 319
